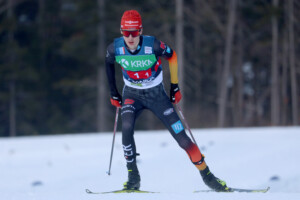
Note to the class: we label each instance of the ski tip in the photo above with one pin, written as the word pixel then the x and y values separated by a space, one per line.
pixel 88 191
pixel 253 191
pixel 120 191
pixel 268 188
pixel 238 190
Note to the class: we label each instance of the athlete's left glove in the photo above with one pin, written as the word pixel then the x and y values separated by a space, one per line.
pixel 175 94
pixel 116 100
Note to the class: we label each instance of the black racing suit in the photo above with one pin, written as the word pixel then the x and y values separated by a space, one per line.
pixel 134 101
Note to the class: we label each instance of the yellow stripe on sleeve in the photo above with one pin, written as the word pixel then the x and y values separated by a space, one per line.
pixel 173 68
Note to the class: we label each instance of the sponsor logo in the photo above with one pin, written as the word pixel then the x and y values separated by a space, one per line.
pixel 129 23
pixel 168 111
pixel 135 82
pixel 129 101
pixel 168 50
pixel 121 50
pixel 141 63
pixel 177 127
pixel 128 152
pixel 126 111
pixel 128 106
pixel 124 63
pixel 137 62
pixel 165 48
pixel 148 50
pixel 162 45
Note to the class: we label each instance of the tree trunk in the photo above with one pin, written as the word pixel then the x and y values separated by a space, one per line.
pixel 275 115
pixel 11 57
pixel 292 63
pixel 42 35
pixel 12 109
pixel 196 57
pixel 285 64
pixel 180 45
pixel 239 79
pixel 101 80
pixel 284 80
pixel 227 62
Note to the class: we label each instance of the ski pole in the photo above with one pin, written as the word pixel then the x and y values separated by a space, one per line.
pixel 113 141
pixel 186 124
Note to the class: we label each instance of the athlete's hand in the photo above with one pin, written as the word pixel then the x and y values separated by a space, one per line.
pixel 175 94
pixel 116 100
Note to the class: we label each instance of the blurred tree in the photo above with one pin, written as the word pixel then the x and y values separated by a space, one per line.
pixel 284 77
pixel 102 92
pixel 179 44
pixel 227 63
pixel 52 78
pixel 12 56
pixel 275 106
pixel 295 93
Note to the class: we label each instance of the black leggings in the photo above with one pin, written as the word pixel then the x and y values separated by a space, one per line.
pixel 156 100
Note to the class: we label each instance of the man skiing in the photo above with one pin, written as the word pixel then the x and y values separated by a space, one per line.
pixel 140 59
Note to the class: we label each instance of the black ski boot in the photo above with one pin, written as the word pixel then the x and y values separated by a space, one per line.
pixel 213 182
pixel 134 178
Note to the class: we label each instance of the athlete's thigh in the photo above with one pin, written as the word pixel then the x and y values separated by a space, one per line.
pixel 131 109
pixel 164 110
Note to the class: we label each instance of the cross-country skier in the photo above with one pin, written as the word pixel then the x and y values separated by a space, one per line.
pixel 140 59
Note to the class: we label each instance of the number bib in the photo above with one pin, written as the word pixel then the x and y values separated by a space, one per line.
pixel 141 70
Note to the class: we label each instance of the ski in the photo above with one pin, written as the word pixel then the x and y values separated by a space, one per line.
pixel 239 190
pixel 119 191
pixel 197 191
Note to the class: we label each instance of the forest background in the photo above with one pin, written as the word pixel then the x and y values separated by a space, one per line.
pixel 238 62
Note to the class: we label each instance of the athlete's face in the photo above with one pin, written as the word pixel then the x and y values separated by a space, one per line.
pixel 132 38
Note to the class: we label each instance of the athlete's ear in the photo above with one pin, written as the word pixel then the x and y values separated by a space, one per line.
pixel 141 31
pixel 121 31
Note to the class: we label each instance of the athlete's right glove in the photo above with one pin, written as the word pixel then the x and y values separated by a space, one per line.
pixel 175 94
pixel 116 100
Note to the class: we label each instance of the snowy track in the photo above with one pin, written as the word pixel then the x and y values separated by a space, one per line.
pixel 62 167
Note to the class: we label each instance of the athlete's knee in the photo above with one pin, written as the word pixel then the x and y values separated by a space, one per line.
pixel 183 141
pixel 127 127
pixel 191 148
pixel 194 153
pixel 127 119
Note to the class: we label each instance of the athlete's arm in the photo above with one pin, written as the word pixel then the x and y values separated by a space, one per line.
pixel 173 68
pixel 110 68
pixel 161 49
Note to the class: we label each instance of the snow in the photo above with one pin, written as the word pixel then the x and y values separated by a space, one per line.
pixel 62 167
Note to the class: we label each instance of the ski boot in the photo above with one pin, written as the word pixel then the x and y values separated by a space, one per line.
pixel 134 178
pixel 213 182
